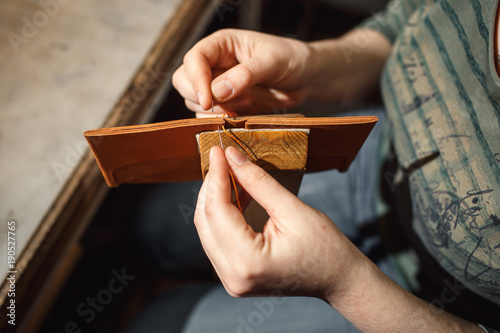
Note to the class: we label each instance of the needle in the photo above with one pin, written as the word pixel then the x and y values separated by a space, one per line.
pixel 218 129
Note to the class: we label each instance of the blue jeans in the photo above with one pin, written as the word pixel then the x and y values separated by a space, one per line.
pixel 349 201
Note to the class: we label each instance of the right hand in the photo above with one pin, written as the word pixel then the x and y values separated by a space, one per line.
pixel 244 71
pixel 299 252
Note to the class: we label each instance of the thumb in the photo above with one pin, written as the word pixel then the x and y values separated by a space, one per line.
pixel 241 77
pixel 270 194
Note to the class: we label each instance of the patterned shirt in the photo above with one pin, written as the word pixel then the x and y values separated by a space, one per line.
pixel 442 96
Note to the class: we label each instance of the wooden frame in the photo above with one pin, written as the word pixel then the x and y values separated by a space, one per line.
pixel 281 152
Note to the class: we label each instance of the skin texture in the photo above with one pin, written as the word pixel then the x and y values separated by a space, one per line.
pixel 263 73
pixel 300 251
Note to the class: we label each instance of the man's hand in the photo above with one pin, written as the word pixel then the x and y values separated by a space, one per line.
pixel 250 72
pixel 244 71
pixel 299 252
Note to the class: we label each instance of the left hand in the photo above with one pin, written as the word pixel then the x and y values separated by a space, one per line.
pixel 244 72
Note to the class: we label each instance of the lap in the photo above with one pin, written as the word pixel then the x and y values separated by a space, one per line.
pixel 348 198
pixel 218 312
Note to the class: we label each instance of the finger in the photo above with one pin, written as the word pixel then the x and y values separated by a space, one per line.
pixel 199 62
pixel 241 77
pixel 182 84
pixel 226 222
pixel 200 219
pixel 218 185
pixel 270 194
pixel 202 223
pixel 240 105
pixel 210 115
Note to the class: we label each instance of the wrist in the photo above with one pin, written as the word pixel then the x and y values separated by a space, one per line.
pixel 347 69
pixel 374 303
pixel 356 273
pixel 323 63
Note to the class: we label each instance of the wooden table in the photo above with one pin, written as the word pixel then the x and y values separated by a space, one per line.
pixel 68 66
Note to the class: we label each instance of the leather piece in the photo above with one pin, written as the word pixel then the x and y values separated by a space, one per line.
pixel 168 151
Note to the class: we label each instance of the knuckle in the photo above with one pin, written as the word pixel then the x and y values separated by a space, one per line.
pixel 259 176
pixel 238 290
pixel 189 105
pixel 223 32
pixel 237 287
pixel 175 78
pixel 210 213
pixel 210 208
pixel 197 218
pixel 200 213
pixel 245 72
pixel 187 57
pixel 245 277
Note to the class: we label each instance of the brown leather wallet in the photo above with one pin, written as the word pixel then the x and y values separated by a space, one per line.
pixel 168 151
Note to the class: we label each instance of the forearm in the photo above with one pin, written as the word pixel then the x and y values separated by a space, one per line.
pixel 347 69
pixel 375 303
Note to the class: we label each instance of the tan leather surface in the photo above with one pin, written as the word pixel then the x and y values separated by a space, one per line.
pixel 168 151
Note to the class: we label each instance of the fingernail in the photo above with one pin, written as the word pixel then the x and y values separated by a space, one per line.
pixel 236 156
pixel 200 99
pixel 211 154
pixel 222 89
